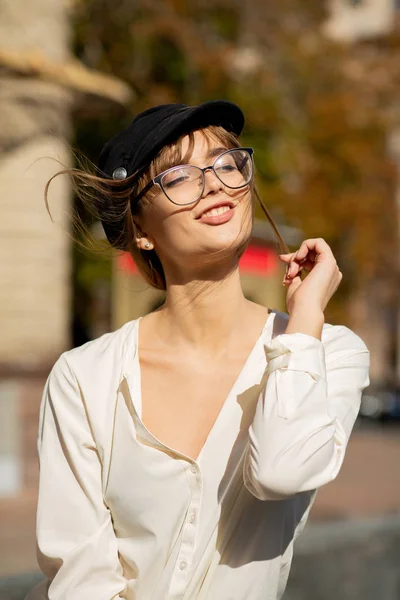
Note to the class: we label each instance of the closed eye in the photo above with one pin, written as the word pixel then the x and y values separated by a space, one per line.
pixel 227 168
pixel 175 182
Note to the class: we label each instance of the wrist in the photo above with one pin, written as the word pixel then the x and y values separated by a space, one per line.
pixel 307 308
pixel 306 319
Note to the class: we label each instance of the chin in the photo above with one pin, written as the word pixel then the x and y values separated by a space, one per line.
pixel 229 240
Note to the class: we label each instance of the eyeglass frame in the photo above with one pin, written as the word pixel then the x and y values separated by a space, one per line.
pixel 157 179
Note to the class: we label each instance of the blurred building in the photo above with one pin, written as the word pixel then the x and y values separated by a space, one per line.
pixel 41 86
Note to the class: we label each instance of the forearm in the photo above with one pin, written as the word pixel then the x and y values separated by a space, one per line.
pixel 304 417
pixel 298 446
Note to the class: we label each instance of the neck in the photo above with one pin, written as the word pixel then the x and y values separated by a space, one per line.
pixel 204 313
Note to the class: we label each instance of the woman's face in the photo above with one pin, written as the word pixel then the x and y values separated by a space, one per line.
pixel 188 236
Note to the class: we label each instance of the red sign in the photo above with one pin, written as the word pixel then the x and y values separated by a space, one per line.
pixel 256 260
pixel 259 260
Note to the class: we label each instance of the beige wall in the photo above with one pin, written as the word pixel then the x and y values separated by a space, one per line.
pixel 34 263
pixel 35 125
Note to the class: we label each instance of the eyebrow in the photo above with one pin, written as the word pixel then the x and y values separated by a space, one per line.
pixel 216 152
pixel 211 154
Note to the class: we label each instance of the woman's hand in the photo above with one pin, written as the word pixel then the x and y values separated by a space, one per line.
pixel 307 299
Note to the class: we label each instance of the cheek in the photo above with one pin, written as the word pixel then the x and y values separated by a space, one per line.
pixel 245 208
pixel 166 223
pixel 154 213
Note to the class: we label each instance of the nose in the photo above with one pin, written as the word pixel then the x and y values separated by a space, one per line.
pixel 211 182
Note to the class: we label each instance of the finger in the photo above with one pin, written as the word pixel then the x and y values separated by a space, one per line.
pixel 306 247
pixel 307 265
pixel 306 252
pixel 292 283
pixel 296 271
pixel 286 257
pixel 316 245
pixel 312 256
pixel 293 269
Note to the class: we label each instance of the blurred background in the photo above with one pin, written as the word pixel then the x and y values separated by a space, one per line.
pixel 319 82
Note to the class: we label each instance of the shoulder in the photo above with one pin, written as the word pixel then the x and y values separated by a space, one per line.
pixel 83 383
pixel 105 355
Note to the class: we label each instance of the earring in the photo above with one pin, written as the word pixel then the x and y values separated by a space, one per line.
pixel 147 245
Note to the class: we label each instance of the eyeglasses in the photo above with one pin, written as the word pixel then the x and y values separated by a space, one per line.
pixel 185 184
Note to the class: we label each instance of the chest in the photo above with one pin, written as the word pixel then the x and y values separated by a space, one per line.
pixel 180 405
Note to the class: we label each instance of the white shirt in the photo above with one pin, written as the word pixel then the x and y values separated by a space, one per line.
pixel 121 515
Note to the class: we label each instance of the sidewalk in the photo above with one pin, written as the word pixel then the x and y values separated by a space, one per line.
pixel 369 481
pixel 17 535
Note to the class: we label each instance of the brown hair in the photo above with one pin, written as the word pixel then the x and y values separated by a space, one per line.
pixel 111 201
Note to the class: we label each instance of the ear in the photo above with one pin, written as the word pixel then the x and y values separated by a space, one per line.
pixel 142 239
pixel 144 243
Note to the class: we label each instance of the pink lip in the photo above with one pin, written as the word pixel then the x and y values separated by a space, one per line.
pixel 217 219
pixel 217 205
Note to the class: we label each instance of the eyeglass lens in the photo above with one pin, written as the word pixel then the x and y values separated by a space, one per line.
pixel 184 185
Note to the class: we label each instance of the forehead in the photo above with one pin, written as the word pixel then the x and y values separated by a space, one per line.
pixel 205 144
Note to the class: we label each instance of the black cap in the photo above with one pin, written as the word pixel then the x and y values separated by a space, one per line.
pixel 132 149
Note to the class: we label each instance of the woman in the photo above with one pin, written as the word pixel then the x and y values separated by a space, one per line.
pixel 180 454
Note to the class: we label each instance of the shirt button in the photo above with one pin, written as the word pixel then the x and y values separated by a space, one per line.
pixel 182 565
pixel 193 468
pixel 192 517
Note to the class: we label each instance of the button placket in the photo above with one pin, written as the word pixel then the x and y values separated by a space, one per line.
pixel 180 579
pixel 192 517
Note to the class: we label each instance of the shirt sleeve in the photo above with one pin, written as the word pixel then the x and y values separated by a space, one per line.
pixel 76 544
pixel 305 415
